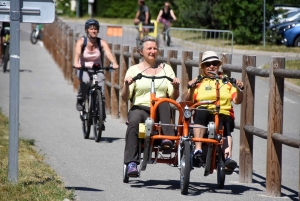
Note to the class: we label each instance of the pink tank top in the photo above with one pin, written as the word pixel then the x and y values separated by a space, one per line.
pixel 88 58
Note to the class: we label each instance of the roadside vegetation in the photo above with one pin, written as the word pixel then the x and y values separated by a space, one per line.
pixel 36 181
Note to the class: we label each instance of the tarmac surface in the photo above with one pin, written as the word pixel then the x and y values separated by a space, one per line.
pixel 94 170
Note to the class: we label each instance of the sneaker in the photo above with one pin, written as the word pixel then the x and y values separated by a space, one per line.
pixel 132 170
pixel 79 105
pixel 197 158
pixel 230 164
pixel 166 144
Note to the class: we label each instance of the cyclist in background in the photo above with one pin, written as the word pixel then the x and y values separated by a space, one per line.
pixel 166 15
pixel 87 52
pixel 143 15
pixel 4 29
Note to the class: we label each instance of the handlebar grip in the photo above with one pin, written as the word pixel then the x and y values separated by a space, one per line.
pixel 137 77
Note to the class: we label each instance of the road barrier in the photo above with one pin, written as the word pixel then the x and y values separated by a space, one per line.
pixel 59 41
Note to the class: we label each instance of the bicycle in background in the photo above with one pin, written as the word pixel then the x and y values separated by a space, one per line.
pixel 166 32
pixel 37 33
pixel 93 107
pixel 152 31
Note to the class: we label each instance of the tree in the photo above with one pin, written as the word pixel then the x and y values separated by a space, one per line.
pixel 244 18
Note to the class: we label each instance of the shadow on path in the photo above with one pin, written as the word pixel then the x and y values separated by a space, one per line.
pixel 82 189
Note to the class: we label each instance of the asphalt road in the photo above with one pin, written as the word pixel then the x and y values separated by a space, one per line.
pixel 48 115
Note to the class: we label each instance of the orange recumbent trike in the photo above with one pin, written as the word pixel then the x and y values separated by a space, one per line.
pixel 150 133
pixel 182 152
pixel 213 156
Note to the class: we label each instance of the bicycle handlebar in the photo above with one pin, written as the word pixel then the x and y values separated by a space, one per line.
pixel 96 68
pixel 225 80
pixel 140 76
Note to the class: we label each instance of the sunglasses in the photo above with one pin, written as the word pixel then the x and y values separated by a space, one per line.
pixel 214 63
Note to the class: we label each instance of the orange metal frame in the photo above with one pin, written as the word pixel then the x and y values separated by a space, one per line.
pixel 182 131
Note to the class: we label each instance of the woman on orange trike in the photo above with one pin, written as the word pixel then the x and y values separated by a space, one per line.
pixel 139 93
pixel 205 90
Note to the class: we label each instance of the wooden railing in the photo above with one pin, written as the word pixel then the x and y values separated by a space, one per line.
pixel 59 41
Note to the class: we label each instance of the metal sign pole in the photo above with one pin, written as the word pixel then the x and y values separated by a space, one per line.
pixel 14 90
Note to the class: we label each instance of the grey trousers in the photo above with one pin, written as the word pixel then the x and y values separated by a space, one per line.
pixel 138 115
pixel 84 79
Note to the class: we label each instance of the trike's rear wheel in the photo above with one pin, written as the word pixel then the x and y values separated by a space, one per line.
pixel 185 168
pixel 98 115
pixel 86 119
pixel 125 176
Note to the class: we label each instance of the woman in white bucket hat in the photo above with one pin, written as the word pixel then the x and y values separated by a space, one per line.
pixel 205 90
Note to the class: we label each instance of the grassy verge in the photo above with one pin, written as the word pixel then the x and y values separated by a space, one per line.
pixel 36 181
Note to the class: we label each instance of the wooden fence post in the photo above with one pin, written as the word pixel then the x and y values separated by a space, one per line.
pixel 114 91
pixel 247 118
pixel 124 62
pixel 108 101
pixel 200 60
pixel 186 72
pixel 75 79
pixel 275 119
pixel 70 55
pixel 226 59
pixel 132 58
pixel 172 54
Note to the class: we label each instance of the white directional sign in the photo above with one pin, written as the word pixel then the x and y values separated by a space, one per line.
pixel 31 11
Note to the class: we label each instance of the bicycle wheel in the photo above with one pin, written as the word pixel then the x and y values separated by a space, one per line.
pixel 168 40
pixel 5 58
pixel 33 37
pixel 97 115
pixel 185 163
pixel 86 119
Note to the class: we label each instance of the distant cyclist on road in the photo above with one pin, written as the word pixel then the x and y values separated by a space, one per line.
pixel 166 15
pixel 87 52
pixel 143 15
pixel 4 29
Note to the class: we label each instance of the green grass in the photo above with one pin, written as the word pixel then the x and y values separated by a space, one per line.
pixel 36 180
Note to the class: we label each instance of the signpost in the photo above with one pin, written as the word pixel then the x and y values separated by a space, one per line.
pixel 16 11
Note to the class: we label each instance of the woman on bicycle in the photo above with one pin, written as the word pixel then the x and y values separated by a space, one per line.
pixel 139 93
pixel 205 90
pixel 166 15
pixel 87 52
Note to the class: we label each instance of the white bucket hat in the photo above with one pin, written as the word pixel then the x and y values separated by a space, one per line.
pixel 210 56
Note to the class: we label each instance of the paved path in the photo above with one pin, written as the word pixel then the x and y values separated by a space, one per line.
pixel 94 170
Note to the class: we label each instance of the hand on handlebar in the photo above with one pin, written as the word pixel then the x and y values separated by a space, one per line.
pixel 239 84
pixel 77 65
pixel 176 83
pixel 128 80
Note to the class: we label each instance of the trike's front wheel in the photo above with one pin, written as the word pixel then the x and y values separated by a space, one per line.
pixel 125 176
pixel 220 169
pixel 98 115
pixel 185 168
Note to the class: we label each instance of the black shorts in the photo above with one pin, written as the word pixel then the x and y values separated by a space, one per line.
pixel 203 117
